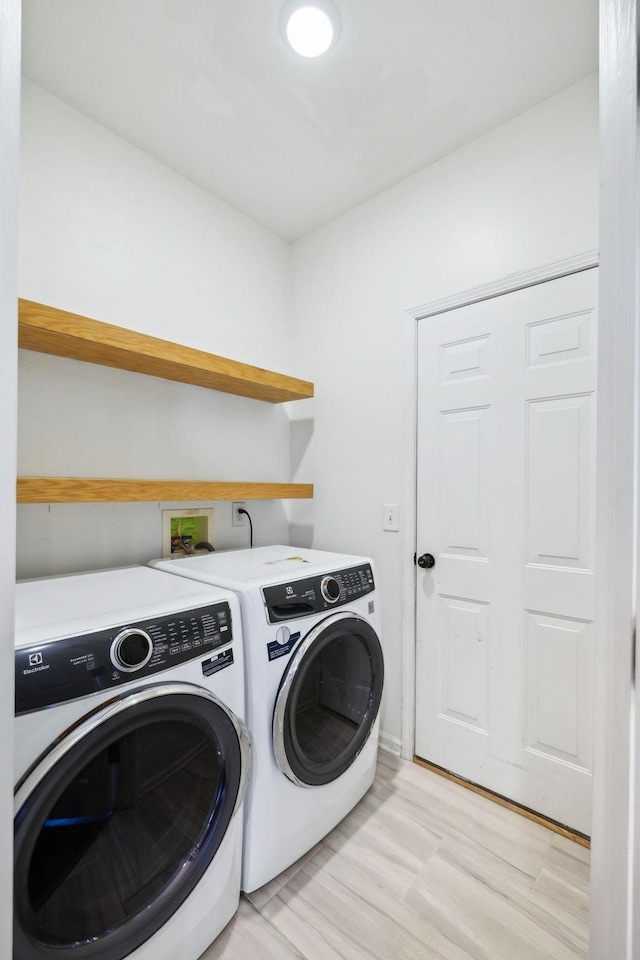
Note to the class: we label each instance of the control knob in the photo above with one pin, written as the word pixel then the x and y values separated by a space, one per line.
pixel 330 589
pixel 131 650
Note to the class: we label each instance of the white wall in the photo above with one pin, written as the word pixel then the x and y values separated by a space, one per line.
pixel 9 139
pixel 522 196
pixel 108 232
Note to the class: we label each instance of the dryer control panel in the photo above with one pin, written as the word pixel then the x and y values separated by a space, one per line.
pixel 71 667
pixel 301 598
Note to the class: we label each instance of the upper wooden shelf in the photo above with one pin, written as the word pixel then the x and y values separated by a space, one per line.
pixel 116 490
pixel 49 330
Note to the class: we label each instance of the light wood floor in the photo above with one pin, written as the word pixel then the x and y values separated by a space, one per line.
pixel 421 869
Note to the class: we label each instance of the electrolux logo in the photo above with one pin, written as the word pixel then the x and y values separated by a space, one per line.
pixel 36 664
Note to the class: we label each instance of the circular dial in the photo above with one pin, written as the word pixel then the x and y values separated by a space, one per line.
pixel 131 650
pixel 330 589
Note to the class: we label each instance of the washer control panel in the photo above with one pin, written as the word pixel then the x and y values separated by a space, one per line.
pixel 301 598
pixel 60 670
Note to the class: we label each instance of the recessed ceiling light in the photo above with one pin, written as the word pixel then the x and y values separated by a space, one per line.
pixel 310 27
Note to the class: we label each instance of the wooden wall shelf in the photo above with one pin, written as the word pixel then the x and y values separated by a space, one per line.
pixel 105 490
pixel 49 330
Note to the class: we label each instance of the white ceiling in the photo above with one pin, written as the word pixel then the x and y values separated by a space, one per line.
pixel 209 88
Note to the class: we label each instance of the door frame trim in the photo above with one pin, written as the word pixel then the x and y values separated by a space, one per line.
pixel 10 23
pixel 508 284
pixel 487 291
pixel 615 853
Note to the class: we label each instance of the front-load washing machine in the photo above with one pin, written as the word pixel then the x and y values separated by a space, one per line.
pixel 131 763
pixel 314 671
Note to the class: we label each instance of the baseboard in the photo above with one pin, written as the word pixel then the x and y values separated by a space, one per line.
pixel 387 742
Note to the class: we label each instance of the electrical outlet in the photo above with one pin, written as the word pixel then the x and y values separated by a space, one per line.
pixel 238 519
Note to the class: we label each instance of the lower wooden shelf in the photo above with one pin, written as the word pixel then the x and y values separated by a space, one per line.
pixel 107 490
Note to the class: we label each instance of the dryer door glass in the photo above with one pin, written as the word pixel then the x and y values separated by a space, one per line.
pixel 122 825
pixel 328 700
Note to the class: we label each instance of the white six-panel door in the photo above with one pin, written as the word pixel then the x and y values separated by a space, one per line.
pixel 506 505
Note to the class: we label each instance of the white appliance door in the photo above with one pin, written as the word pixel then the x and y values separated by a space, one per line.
pixel 117 824
pixel 506 507
pixel 328 700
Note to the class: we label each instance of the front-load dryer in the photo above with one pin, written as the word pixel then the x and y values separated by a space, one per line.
pixel 131 764
pixel 314 671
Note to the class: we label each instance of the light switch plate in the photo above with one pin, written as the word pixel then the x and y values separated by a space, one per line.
pixel 391 517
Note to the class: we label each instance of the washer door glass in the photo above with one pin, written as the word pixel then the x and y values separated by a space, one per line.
pixel 328 700
pixel 126 814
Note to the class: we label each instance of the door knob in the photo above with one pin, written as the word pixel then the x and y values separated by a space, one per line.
pixel 426 561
